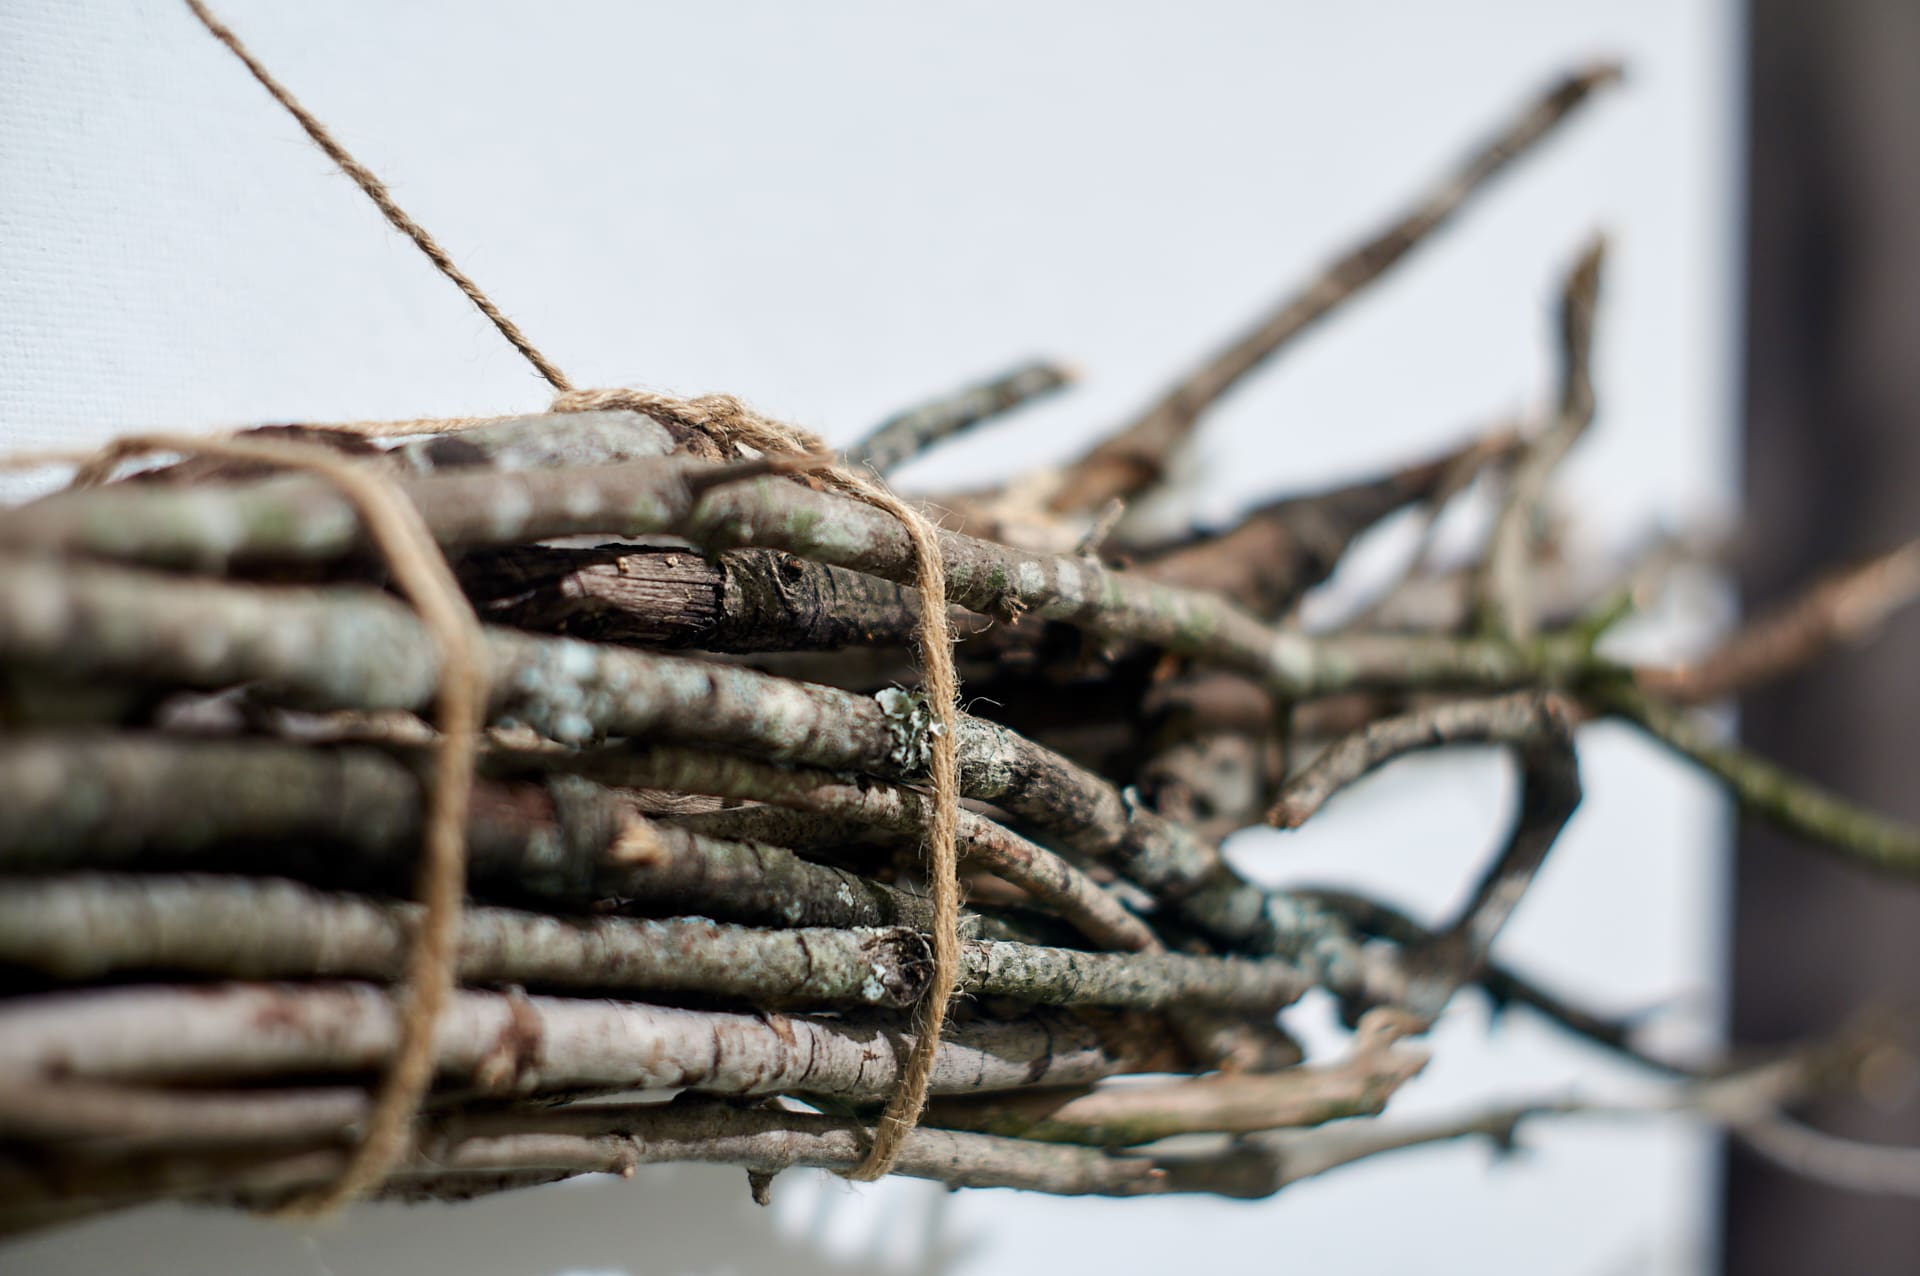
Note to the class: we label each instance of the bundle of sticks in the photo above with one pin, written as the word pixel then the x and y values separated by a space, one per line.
pixel 693 921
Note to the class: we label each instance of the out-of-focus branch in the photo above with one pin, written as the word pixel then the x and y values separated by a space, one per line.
pixel 900 438
pixel 1504 986
pixel 1549 794
pixel 1794 803
pixel 1279 551
pixel 1511 719
pixel 1229 1103
pixel 1506 603
pixel 1845 607
pixel 1137 456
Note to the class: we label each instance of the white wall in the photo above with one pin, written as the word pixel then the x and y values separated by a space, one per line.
pixel 835 209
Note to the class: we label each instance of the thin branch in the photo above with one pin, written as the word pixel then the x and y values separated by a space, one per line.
pixel 1792 802
pixel 84 927
pixel 205 528
pixel 59 1110
pixel 1511 719
pixel 151 801
pixel 1845 607
pixel 1052 881
pixel 1227 1103
pixel 1133 981
pixel 1277 552
pixel 609 1139
pixel 511 1044
pixel 1504 986
pixel 740 601
pixel 1137 456
pixel 528 1145
pixel 901 438
pixel 1549 794
pixel 1506 605
pixel 79 928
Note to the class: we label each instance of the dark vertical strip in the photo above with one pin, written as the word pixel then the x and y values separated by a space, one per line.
pixel 1833 471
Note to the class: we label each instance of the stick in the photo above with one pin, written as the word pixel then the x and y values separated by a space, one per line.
pixel 1135 457
pixel 1794 803
pixel 1844 607
pixel 906 435
pixel 526 1044
pixel 1228 1103
pixel 81 928
pixel 1505 602
pixel 1503 720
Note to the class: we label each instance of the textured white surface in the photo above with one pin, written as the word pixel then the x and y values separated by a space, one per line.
pixel 833 210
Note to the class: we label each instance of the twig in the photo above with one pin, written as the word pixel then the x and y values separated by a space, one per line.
pixel 62 1110
pixel 81 928
pixel 1277 552
pixel 1845 607
pixel 740 601
pixel 1128 1115
pixel 528 1146
pixel 207 528
pixel 1506 606
pixel 1794 803
pixel 148 801
pixel 1048 878
pixel 1377 611
pixel 527 1044
pixel 1137 455
pixel 1549 794
pixel 1511 719
pixel 900 438
pixel 1504 986
pixel 1133 981
pixel 78 928
pixel 607 1139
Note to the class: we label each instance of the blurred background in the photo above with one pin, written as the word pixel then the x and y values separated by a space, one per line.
pixel 1832 470
pixel 836 210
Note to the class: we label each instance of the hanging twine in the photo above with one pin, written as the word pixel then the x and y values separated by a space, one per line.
pixel 731 424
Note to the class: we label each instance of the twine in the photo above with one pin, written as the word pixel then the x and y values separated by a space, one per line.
pixel 423 575
pixel 376 191
pixel 730 422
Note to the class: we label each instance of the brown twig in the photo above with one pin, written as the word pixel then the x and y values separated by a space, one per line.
pixel 1506 605
pixel 1136 456
pixel 1229 1103
pixel 1511 719
pixel 1845 607
pixel 527 1044
pixel 906 435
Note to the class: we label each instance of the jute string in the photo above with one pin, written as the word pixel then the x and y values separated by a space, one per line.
pixel 730 422
pixel 423 573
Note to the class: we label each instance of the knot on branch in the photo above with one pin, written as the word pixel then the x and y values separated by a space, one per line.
pixel 912 727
